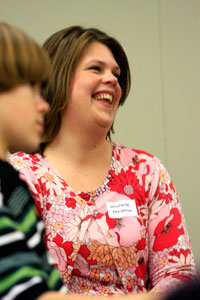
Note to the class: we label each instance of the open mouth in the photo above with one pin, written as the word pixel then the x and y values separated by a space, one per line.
pixel 104 96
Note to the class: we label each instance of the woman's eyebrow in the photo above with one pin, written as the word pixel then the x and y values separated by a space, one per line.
pixel 102 63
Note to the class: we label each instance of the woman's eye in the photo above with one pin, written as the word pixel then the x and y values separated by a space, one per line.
pixel 97 68
pixel 117 75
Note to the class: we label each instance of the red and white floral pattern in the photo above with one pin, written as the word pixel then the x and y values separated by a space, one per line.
pixel 97 254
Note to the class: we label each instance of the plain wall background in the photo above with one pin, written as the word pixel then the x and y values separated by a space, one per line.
pixel 162 41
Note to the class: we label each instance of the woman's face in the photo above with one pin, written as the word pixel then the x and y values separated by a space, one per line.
pixel 95 90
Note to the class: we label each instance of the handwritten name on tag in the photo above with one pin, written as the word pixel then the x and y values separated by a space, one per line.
pixel 121 208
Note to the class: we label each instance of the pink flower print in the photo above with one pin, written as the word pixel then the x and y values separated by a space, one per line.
pixel 138 284
pixel 74 224
pixel 154 209
pixel 172 186
pixel 62 232
pixel 58 225
pixel 162 214
pixel 151 170
pixel 58 254
pixel 163 176
pixel 99 289
pixel 67 275
pixel 57 212
pixel 48 205
pixel 167 285
pixel 54 221
pixel 70 202
pixel 118 291
pixel 151 212
pixel 157 263
pixel 129 283
pixel 116 165
pixel 82 265
pixel 95 273
pixel 50 228
pixel 108 277
pixel 126 239
pixel 85 287
pixel 19 162
pixel 167 231
pixel 141 269
pixel 106 290
pixel 50 183
pixel 183 241
pixel 60 199
pixel 126 157
pixel 84 196
pixel 181 260
pixel 126 183
pixel 144 211
pixel 69 193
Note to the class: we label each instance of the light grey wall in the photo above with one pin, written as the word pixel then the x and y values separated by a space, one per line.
pixel 162 41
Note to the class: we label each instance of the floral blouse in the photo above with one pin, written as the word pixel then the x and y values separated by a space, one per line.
pixel 127 236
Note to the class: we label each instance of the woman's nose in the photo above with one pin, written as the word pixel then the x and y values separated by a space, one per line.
pixel 110 78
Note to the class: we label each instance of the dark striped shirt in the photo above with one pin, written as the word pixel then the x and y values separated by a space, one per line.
pixel 25 272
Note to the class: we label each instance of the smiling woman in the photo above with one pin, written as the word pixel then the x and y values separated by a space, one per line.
pixel 72 42
pixel 94 92
pixel 113 219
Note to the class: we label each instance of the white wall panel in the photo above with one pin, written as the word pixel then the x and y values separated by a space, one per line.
pixel 180 48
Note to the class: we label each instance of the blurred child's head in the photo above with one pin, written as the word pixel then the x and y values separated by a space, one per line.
pixel 24 69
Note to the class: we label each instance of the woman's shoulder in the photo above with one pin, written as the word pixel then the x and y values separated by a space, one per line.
pixel 21 160
pixel 134 154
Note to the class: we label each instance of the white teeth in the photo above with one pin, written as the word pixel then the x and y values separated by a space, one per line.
pixel 104 97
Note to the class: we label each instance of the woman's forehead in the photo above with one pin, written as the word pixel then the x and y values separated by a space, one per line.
pixel 97 52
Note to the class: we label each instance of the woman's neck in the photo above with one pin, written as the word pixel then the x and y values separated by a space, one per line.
pixel 82 149
pixel 86 159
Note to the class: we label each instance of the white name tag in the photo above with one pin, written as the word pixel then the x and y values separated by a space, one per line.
pixel 122 208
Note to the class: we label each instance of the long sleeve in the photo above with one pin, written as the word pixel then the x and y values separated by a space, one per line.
pixel 170 255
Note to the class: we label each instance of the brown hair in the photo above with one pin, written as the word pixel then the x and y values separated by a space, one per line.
pixel 65 48
pixel 22 60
